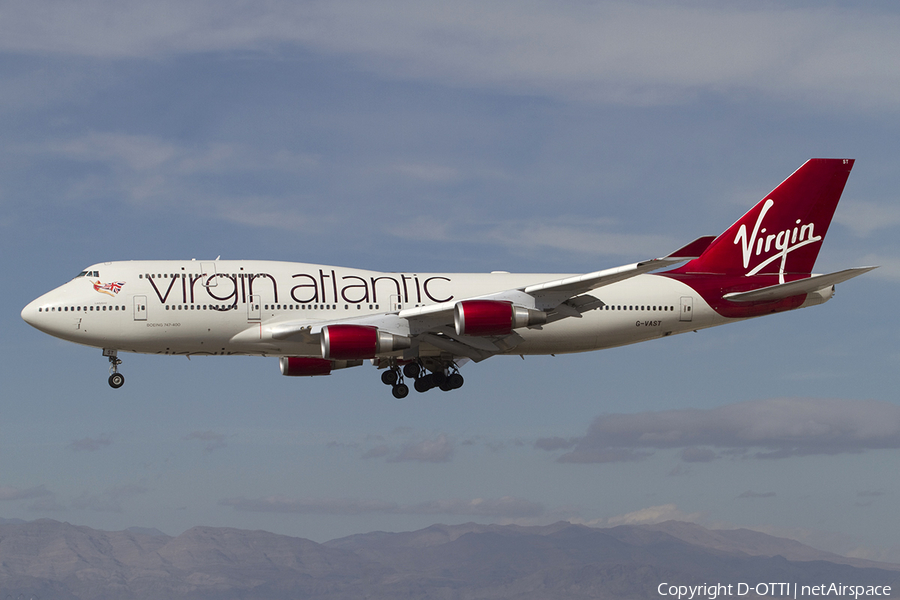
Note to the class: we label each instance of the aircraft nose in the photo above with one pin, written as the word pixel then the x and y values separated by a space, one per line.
pixel 30 313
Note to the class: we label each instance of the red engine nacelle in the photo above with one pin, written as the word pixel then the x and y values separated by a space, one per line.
pixel 493 317
pixel 348 342
pixel 304 366
pixel 310 366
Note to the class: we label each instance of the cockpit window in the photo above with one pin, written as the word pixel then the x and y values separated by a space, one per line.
pixel 88 274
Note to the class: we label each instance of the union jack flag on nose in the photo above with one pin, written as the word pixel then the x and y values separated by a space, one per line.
pixel 111 288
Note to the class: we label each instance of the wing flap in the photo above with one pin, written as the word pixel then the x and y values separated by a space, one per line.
pixel 795 288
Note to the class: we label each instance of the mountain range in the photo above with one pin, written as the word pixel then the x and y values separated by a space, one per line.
pixel 48 559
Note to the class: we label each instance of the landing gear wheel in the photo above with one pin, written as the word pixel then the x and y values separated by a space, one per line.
pixel 455 381
pixel 390 377
pixel 411 370
pixel 401 390
pixel 423 384
pixel 116 379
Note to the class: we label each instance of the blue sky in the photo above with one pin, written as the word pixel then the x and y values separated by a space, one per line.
pixel 450 136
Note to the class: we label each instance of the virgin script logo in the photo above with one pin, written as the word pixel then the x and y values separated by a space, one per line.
pixel 784 242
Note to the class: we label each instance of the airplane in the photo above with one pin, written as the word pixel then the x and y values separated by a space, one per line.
pixel 423 326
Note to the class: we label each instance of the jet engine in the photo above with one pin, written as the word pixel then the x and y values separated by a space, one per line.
pixel 309 366
pixel 493 317
pixel 349 342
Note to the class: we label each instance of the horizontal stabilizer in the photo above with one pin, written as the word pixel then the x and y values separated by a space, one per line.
pixel 795 288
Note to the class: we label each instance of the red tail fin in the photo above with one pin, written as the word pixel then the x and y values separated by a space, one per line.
pixel 784 232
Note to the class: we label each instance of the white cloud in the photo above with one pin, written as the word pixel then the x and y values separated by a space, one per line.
pixel 752 494
pixel 91 444
pixel 435 450
pixel 159 175
pixel 426 172
pixel 42 499
pixel 138 152
pixel 654 514
pixel 775 428
pixel 645 516
pixel 378 451
pixel 505 507
pixel 839 543
pixel 149 153
pixel 590 237
pixel 863 218
pixel 629 52
pixel 110 500
pixel 328 506
pixel 888 266
pixel 213 440
pixel 12 493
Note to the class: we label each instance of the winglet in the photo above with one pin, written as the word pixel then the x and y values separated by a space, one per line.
pixel 694 249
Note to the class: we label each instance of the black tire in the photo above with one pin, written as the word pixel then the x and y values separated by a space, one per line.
pixel 400 391
pixel 455 381
pixel 411 370
pixel 390 377
pixel 423 384
pixel 439 378
pixel 116 380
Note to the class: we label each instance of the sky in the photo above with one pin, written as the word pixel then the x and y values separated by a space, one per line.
pixel 461 136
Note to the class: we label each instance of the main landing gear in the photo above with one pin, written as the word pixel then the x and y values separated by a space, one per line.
pixel 424 381
pixel 393 378
pixel 116 379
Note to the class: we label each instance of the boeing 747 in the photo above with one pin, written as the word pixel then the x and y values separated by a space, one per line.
pixel 423 326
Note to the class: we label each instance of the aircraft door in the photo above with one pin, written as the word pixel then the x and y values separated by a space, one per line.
pixel 395 302
pixel 140 308
pixel 687 305
pixel 253 308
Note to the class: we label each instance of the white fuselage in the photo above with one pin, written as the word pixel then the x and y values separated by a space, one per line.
pixel 227 307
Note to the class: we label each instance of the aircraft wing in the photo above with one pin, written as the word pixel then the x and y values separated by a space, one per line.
pixel 808 285
pixel 552 293
pixel 561 298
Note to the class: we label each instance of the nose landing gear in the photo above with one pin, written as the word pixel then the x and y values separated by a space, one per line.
pixel 116 379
